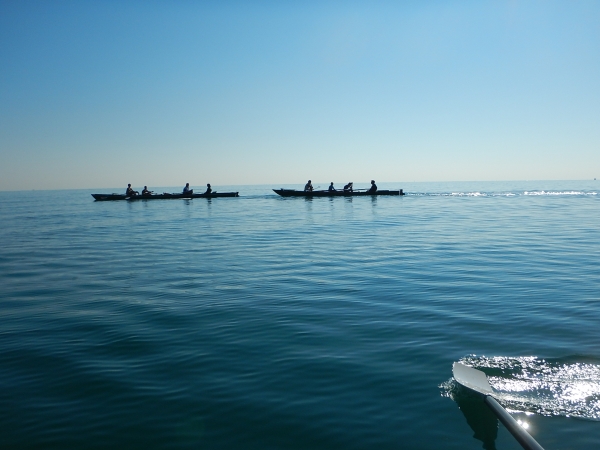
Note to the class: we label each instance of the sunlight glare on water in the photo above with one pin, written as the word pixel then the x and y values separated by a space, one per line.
pixel 548 387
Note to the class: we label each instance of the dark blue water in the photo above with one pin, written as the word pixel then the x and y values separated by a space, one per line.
pixel 261 322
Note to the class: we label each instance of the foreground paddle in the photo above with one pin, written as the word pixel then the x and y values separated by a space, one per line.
pixel 475 380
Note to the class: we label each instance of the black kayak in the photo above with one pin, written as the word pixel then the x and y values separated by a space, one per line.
pixel 188 195
pixel 216 194
pixel 295 193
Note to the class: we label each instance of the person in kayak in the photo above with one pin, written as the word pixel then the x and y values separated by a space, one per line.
pixel 208 189
pixel 373 188
pixel 308 187
pixel 129 192
pixel 187 189
pixel 349 187
pixel 331 188
pixel 145 191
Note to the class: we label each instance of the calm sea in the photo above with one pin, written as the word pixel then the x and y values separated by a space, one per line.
pixel 262 322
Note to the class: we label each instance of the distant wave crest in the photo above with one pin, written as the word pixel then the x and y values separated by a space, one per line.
pixel 504 194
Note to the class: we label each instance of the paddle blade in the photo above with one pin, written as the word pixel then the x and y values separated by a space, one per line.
pixel 471 378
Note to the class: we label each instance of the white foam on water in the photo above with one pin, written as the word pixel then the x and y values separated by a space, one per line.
pixel 468 194
pixel 550 193
pixel 505 194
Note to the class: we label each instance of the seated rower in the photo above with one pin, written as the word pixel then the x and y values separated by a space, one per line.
pixel 373 188
pixel 186 189
pixel 145 191
pixel 208 189
pixel 129 192
pixel 349 187
pixel 308 187
pixel 331 188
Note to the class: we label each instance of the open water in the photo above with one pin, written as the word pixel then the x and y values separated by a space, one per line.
pixel 262 322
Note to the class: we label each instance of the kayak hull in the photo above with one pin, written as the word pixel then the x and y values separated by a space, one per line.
pixel 109 197
pixel 295 193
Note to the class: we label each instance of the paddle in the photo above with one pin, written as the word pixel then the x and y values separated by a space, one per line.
pixel 475 380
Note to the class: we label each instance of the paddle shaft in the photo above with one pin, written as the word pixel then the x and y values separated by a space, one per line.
pixel 519 433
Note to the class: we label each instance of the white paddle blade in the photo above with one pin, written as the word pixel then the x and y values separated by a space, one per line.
pixel 471 378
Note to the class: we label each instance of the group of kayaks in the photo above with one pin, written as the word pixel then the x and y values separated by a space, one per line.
pixel 282 192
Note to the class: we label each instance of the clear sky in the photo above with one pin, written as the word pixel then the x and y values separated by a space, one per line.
pixel 103 93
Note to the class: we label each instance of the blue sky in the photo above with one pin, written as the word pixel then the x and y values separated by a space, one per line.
pixel 104 93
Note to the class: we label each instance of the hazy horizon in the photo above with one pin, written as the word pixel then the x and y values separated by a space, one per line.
pixel 318 185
